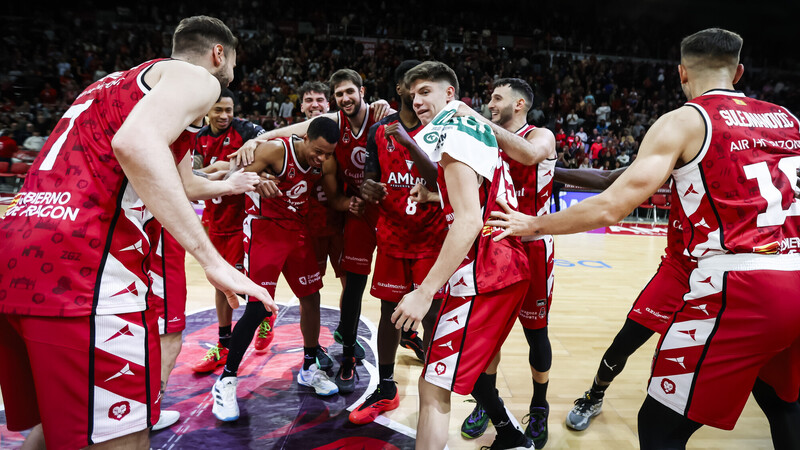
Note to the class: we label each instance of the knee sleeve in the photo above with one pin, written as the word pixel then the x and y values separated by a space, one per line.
pixel 540 355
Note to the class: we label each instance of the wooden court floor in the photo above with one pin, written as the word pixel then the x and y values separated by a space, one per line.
pixel 597 277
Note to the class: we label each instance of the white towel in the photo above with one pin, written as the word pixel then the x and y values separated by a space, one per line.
pixel 463 138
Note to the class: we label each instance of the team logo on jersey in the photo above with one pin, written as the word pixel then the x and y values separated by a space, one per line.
pixel 390 145
pixel 297 190
pixel 409 164
pixel 227 141
pixel 359 157
pixel 431 137
pixel 668 386
pixel 440 368
pixel 690 333
pixel 346 137
pixel 119 410
pixel 292 172
pixel 679 360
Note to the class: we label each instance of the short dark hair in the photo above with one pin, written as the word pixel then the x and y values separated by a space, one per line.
pixel 226 93
pixel 432 71
pixel 313 86
pixel 325 128
pixel 198 34
pixel 715 47
pixel 520 87
pixel 342 75
pixel 404 67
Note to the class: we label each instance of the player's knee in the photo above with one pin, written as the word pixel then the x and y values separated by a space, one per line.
pixel 540 355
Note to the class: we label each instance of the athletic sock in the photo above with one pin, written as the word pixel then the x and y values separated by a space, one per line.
pixel 226 373
pixel 598 391
pixel 539 399
pixel 386 372
pixel 309 357
pixel 348 351
pixel 486 395
pixel 225 336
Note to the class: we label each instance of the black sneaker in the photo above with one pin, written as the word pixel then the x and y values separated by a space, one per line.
pixel 346 376
pixel 537 426
pixel 509 441
pixel 324 361
pixel 412 341
pixel 358 352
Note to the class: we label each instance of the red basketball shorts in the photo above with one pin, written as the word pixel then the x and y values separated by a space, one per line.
pixel 87 379
pixel 329 248
pixel 167 294
pixel 359 242
pixel 535 311
pixel 468 334
pixel 740 313
pixel 271 250
pixel 230 246
pixel 663 294
pixel 396 277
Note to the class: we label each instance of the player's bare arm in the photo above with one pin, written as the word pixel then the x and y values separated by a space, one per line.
pixel 674 139
pixel 336 199
pixel 462 182
pixel 538 146
pixel 372 190
pixel 599 179
pixel 199 188
pixel 268 160
pixel 181 94
pixel 380 109
pixel 421 194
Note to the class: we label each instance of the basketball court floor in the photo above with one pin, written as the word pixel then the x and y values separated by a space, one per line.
pixel 597 277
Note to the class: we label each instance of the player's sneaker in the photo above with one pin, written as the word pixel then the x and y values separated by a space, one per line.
pixel 476 423
pixel 264 335
pixel 412 341
pixel 346 376
pixel 509 441
pixel 317 379
pixel 537 426
pixel 359 352
pixel 376 403
pixel 215 356
pixel 225 406
pixel 324 362
pixel 167 419
pixel 585 408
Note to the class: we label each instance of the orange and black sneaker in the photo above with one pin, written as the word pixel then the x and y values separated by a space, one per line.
pixel 215 356
pixel 377 402
pixel 410 340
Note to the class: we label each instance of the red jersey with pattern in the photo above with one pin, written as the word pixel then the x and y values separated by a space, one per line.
pixel 77 211
pixel 738 192
pixel 489 265
pixel 406 229
pixel 534 184
pixel 295 182
pixel 225 214
pixel 351 152
pixel 322 220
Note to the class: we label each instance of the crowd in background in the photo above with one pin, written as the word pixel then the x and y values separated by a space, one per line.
pixel 599 107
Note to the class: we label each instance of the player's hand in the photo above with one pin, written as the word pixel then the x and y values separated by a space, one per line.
pixel 217 176
pixel 513 222
pixel 241 182
pixel 372 191
pixel 231 282
pixel 267 187
pixel 411 310
pixel 464 110
pixel 357 205
pixel 245 155
pixel 380 109
pixel 420 194
pixel 400 134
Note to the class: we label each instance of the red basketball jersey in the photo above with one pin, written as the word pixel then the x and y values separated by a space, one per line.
pixel 351 152
pixel 73 242
pixel 738 192
pixel 534 184
pixel 225 214
pixel 322 220
pixel 295 182
pixel 406 229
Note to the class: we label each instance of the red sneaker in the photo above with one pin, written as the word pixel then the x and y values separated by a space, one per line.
pixel 264 335
pixel 375 404
pixel 215 356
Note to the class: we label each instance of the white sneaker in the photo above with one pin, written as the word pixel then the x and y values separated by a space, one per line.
pixel 225 406
pixel 317 379
pixel 167 419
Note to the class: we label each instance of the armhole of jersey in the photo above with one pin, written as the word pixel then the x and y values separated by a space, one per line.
pixel 286 152
pixel 140 78
pixel 293 152
pixel 706 142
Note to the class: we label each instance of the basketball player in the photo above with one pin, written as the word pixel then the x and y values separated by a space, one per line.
pixel 409 235
pixel 734 168
pixel 509 105
pixel 223 216
pixel 276 242
pixel 74 236
pixel 470 176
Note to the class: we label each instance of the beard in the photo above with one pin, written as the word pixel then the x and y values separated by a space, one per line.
pixel 356 108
